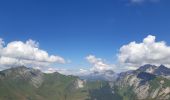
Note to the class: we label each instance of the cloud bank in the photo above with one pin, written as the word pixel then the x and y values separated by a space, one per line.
pixel 133 55
pixel 149 51
pixel 27 53
pixel 98 66
pixel 130 56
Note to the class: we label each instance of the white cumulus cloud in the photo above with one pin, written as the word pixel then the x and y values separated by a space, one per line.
pixel 98 64
pixel 149 51
pixel 25 53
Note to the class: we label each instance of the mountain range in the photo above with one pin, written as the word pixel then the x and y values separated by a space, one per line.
pixel 148 82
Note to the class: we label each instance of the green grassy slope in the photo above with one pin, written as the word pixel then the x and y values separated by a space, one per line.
pixel 18 84
pixel 15 85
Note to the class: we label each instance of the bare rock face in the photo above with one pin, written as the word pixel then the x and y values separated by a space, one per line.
pixel 155 93
pixel 79 83
pixel 131 80
pixel 33 76
pixel 147 82
pixel 164 93
pixel 36 78
pixel 142 91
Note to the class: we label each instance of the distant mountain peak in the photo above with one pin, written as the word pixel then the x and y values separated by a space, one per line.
pixel 147 68
pixel 156 70
pixel 162 70
pixel 162 66
pixel 107 75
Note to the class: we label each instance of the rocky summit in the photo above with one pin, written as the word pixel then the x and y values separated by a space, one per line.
pixel 149 82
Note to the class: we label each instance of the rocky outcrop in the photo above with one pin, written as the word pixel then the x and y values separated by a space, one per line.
pixel 79 83
pixel 147 82
pixel 33 76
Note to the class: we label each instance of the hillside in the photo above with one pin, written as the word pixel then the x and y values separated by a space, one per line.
pixel 149 82
pixel 23 83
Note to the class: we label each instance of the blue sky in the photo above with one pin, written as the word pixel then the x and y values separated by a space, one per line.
pixel 75 29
